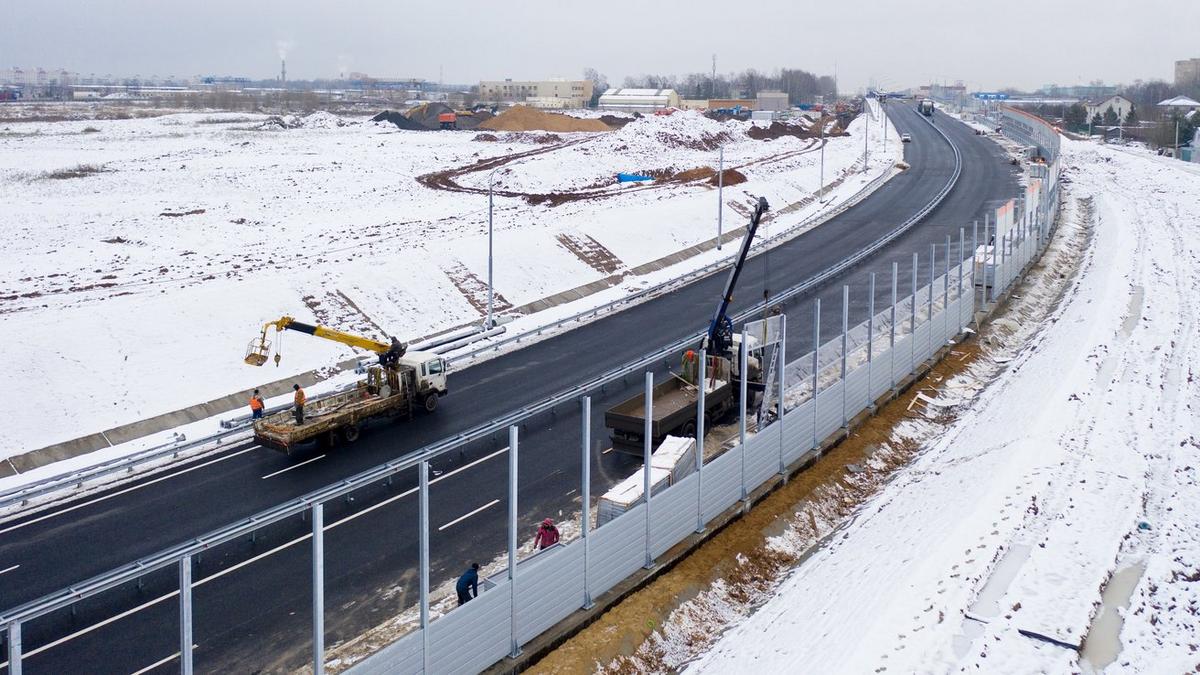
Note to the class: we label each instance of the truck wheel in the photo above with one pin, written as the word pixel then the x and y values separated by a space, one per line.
pixel 689 429
pixel 350 432
pixel 431 401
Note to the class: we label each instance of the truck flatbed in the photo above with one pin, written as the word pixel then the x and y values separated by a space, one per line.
pixel 340 416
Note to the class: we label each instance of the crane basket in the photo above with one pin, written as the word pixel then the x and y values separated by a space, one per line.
pixel 258 351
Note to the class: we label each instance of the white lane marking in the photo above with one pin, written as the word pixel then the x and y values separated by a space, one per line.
pixel 410 491
pixel 468 515
pixel 160 662
pixel 9 569
pixel 294 466
pixel 97 500
pixel 260 556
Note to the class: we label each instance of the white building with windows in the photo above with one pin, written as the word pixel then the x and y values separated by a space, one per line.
pixel 1120 105
pixel 639 100
pixel 538 93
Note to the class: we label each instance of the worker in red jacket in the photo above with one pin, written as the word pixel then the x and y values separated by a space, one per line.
pixel 547 535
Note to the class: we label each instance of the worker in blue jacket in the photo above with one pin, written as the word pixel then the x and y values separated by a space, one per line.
pixel 468 585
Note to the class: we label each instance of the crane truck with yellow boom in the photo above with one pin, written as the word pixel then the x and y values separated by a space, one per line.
pixel 403 381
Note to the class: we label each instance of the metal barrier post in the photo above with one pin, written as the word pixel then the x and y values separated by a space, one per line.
pixel 702 380
pixel 845 331
pixel 946 291
pixel 975 252
pixel 782 389
pixel 185 615
pixel 962 233
pixel 646 443
pixel 318 589
pixel 989 261
pixel 912 324
pixel 514 649
pixel 585 443
pixel 892 340
pixel 423 542
pixel 14 648
pixel 870 333
pixel 816 368
pixel 932 272
pixel 744 374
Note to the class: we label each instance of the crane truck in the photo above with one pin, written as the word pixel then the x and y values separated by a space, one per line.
pixel 403 381
pixel 674 400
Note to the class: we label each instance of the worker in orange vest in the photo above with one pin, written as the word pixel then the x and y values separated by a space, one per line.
pixel 256 406
pixel 300 399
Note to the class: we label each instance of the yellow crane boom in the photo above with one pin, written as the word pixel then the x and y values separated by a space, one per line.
pixel 257 353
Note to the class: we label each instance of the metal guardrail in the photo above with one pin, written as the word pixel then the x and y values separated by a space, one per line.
pixel 627 301
pixel 295 507
pixel 24 493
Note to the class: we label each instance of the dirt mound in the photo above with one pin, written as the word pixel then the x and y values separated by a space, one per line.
pixel 399 120
pixel 616 122
pixel 687 129
pixel 485 138
pixel 728 177
pixel 779 130
pixel 699 173
pixel 524 118
pixel 474 119
pixel 426 114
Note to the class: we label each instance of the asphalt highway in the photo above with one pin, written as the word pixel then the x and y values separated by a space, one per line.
pixel 253 604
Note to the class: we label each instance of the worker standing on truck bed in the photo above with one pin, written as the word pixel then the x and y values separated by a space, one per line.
pixel 256 406
pixel 300 399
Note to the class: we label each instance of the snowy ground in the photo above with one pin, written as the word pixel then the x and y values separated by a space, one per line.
pixel 142 255
pixel 991 550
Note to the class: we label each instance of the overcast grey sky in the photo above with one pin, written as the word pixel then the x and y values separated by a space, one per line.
pixel 894 43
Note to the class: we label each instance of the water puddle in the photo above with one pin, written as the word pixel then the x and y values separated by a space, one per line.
pixel 987 604
pixel 1103 642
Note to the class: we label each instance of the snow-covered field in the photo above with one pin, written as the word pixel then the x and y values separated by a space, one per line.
pixel 142 255
pixel 1079 459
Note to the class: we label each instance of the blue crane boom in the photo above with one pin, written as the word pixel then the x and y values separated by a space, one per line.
pixel 720 331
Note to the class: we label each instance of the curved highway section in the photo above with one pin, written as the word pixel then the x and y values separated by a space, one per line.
pixel 252 603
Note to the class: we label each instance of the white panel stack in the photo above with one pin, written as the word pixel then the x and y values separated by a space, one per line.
pixel 628 493
pixel 676 455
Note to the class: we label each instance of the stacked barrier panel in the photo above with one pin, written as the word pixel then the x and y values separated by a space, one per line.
pixel 829 410
pixel 903 355
pixel 922 345
pixel 722 484
pixel 881 374
pixel 618 549
pixel 762 456
pixel 856 390
pixel 402 657
pixel 549 587
pixel 486 619
pixel 674 515
pixel 797 432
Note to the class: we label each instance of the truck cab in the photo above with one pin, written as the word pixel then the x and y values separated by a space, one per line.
pixel 430 371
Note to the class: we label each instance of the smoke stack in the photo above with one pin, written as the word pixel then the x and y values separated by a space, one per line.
pixel 283 71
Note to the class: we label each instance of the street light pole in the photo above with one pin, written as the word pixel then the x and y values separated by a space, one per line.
pixel 821 180
pixel 490 324
pixel 720 192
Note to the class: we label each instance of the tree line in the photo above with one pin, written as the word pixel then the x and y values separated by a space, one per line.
pixel 801 86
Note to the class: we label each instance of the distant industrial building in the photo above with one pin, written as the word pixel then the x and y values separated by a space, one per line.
pixel 639 100
pixel 538 93
pixel 1094 92
pixel 730 103
pixel 1187 73
pixel 772 100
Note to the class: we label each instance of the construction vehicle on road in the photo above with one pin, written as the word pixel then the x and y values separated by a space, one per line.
pixel 925 107
pixel 674 401
pixel 403 381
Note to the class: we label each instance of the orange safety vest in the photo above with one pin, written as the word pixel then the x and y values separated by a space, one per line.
pixel 300 397
pixel 256 403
